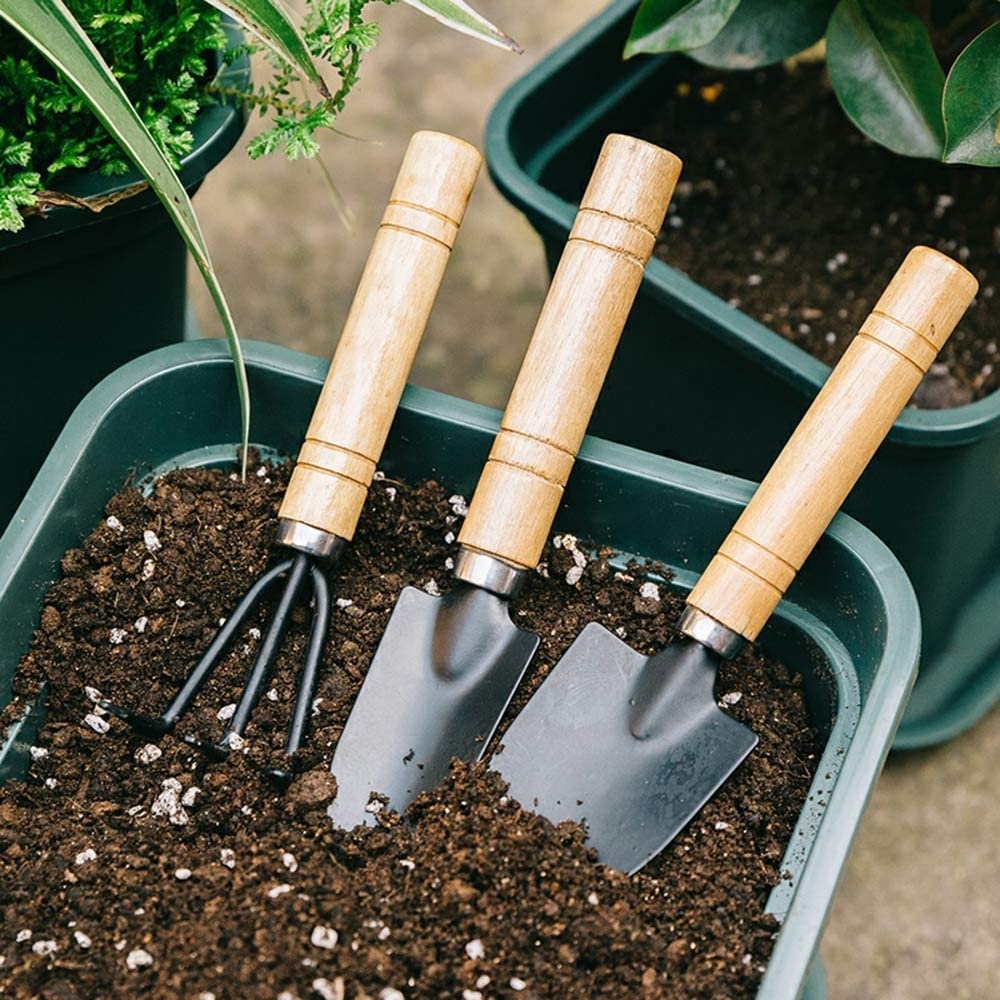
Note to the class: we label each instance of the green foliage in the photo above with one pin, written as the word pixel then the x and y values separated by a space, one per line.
pixel 972 103
pixel 334 32
pixel 884 58
pixel 158 49
pixel 161 52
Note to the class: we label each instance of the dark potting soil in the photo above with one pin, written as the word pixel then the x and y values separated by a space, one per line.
pixel 130 869
pixel 788 212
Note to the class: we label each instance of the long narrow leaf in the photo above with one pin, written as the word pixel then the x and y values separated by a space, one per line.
pixel 972 102
pixel 886 76
pixel 460 16
pixel 677 25
pixel 55 33
pixel 274 26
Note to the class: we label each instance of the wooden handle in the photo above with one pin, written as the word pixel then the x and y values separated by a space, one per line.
pixel 387 319
pixel 834 441
pixel 576 335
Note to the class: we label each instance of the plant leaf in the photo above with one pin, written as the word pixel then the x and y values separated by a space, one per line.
pixel 886 76
pixel 762 32
pixel 677 25
pixel 972 103
pixel 50 27
pixel 461 17
pixel 274 26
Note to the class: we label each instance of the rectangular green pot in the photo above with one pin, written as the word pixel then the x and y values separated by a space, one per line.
pixel 698 380
pixel 84 292
pixel 850 624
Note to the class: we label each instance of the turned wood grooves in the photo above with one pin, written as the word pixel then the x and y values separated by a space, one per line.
pixel 380 338
pixel 834 442
pixel 579 327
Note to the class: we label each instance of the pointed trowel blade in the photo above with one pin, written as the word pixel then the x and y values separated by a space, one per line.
pixel 440 681
pixel 631 746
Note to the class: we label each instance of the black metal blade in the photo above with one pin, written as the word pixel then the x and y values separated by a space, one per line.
pixel 632 746
pixel 441 679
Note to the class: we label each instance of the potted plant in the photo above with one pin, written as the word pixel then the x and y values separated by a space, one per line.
pixel 779 208
pixel 91 270
pixel 850 627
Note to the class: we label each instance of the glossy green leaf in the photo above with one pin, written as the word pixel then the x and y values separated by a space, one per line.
pixel 677 25
pixel 886 75
pixel 972 103
pixel 50 27
pixel 762 32
pixel 461 17
pixel 274 26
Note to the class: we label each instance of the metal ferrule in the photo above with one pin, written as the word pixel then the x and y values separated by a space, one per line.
pixel 313 541
pixel 710 633
pixel 489 573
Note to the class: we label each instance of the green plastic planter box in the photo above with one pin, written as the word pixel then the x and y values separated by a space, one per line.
pixel 698 380
pixel 83 293
pixel 850 623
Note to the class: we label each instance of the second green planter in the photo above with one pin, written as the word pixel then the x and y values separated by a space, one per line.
pixel 698 380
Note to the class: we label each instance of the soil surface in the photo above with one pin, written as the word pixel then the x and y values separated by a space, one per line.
pixel 789 213
pixel 129 868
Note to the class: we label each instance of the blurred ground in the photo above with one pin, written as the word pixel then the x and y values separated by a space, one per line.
pixel 917 913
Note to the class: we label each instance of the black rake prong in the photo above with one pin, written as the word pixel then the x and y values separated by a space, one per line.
pixel 160 725
pixel 263 664
pixel 282 776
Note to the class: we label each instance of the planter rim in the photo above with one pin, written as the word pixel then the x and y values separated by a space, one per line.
pixel 518 182
pixel 802 906
pixel 216 129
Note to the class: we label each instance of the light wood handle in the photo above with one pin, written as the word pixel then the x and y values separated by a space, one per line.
pixel 575 337
pixel 834 442
pixel 380 338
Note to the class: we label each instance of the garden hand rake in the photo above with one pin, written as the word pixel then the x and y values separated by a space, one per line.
pixel 336 463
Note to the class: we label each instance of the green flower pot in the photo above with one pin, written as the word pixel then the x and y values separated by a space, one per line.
pixel 698 380
pixel 850 623
pixel 85 292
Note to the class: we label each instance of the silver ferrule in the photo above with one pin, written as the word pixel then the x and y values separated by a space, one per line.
pixel 705 629
pixel 313 541
pixel 489 573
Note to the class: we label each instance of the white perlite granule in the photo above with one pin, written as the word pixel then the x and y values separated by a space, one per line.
pixel 117 636
pixel 44 947
pixel 148 753
pixel 96 723
pixel 228 857
pixel 168 802
pixel 326 990
pixel 323 937
pixel 475 950
pixel 83 940
pixel 649 591
pixel 138 958
pixel 151 542
pixel 114 524
pixel 88 854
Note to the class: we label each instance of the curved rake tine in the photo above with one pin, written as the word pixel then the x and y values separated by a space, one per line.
pixel 165 722
pixel 262 665
pixel 282 776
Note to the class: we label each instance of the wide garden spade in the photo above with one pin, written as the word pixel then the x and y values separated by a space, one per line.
pixel 349 426
pixel 447 666
pixel 633 746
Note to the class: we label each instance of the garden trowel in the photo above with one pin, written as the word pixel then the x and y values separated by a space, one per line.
pixel 447 667
pixel 633 746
